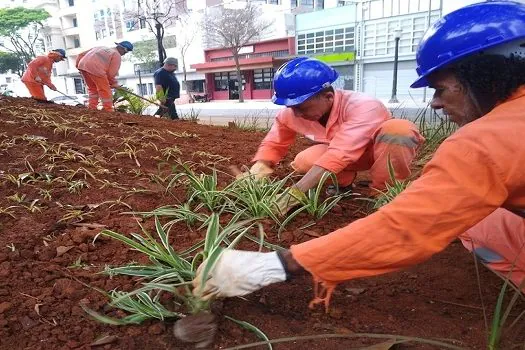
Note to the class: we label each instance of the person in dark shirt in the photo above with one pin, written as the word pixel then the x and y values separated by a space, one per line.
pixel 167 84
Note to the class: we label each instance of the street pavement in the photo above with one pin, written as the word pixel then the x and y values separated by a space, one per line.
pixel 263 112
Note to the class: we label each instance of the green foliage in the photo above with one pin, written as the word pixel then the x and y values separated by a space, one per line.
pixel 144 53
pixel 11 62
pixel 12 23
pixel 128 103
pixel 170 271
pixel 14 19
pixel 392 189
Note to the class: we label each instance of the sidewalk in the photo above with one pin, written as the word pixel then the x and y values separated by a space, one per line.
pixel 223 111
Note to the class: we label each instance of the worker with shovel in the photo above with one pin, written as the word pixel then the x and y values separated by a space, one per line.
pixel 38 74
pixel 167 87
pixel 99 66
pixel 473 188
pixel 351 132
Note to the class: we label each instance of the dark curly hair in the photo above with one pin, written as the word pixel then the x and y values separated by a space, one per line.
pixel 490 79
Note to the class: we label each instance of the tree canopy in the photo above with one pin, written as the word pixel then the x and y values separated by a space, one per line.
pixel 22 27
pixel 10 62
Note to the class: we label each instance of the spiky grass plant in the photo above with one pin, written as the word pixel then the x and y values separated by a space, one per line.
pixel 169 271
pixel 202 188
pixel 256 197
pixel 392 189
pixel 313 204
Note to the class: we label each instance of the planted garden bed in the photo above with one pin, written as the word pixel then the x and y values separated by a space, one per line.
pixel 68 173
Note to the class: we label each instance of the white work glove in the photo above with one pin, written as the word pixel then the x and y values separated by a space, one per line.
pixel 239 273
pixel 259 170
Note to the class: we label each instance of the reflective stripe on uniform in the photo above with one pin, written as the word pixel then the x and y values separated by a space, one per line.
pixel 406 141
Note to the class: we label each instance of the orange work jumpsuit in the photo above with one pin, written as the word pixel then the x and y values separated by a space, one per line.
pixel 38 74
pixel 99 66
pixel 360 135
pixel 472 188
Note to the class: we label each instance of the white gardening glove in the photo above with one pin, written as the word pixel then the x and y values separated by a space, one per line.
pixel 258 170
pixel 239 273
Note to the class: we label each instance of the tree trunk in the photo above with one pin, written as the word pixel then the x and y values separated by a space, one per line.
pixel 184 76
pixel 239 75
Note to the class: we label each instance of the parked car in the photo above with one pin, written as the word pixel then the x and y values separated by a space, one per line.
pixel 71 100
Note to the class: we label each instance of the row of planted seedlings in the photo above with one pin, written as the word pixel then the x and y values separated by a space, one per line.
pixel 243 202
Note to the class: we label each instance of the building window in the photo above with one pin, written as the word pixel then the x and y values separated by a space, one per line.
pixel 142 89
pixel 319 5
pixel 341 3
pixel 262 79
pixel 75 22
pixel 196 85
pixel 273 2
pixel 293 3
pixel 223 79
pixel 379 37
pixel 150 88
pixel 307 3
pixel 8 80
pixel 331 40
pixel 71 2
pixel 79 86
pixel 54 72
pixel 77 42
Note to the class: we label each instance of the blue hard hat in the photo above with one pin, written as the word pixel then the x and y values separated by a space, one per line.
pixel 467 31
pixel 299 79
pixel 61 52
pixel 126 44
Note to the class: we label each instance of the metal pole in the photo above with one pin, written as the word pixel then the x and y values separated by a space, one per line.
pixel 140 82
pixel 393 98
pixel 428 26
pixel 159 44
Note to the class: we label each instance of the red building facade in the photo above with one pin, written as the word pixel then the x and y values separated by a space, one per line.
pixel 258 62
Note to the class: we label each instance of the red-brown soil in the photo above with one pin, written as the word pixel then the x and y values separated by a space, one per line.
pixel 41 286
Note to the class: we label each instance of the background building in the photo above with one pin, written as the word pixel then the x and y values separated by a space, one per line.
pixel 356 37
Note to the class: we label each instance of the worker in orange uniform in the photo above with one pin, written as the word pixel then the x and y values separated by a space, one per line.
pixel 473 188
pixel 99 66
pixel 352 132
pixel 38 73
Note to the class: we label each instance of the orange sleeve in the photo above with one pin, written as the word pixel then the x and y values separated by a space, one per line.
pixel 276 143
pixel 114 66
pixel 459 187
pixel 354 136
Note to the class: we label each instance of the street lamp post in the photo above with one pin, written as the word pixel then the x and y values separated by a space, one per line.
pixel 397 36
pixel 137 72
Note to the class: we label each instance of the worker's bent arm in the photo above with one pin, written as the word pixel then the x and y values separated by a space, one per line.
pixel 311 178
pixel 276 143
pixel 459 187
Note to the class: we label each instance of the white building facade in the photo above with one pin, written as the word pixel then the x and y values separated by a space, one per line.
pixel 86 24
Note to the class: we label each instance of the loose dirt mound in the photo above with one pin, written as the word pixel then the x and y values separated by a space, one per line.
pixel 114 163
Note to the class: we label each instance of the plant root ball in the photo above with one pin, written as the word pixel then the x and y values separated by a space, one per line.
pixel 199 328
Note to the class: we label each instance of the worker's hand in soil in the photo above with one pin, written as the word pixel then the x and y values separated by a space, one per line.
pixel 259 170
pixel 52 87
pixel 289 199
pixel 237 273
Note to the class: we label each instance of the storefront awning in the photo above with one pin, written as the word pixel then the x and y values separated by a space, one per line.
pixel 246 64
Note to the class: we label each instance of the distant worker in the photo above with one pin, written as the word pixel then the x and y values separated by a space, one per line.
pixel 168 87
pixel 99 66
pixel 351 132
pixel 38 73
